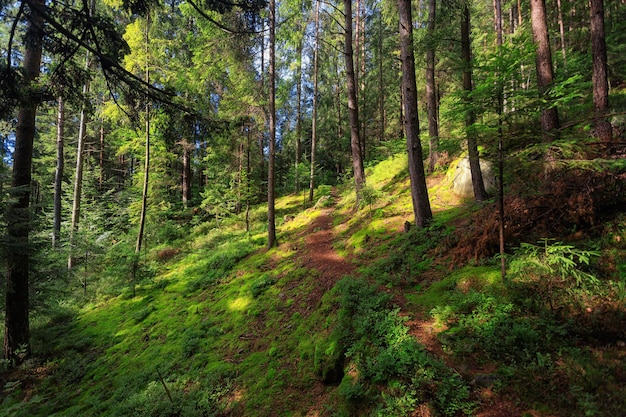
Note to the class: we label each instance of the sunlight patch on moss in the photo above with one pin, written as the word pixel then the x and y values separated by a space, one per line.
pixel 239 303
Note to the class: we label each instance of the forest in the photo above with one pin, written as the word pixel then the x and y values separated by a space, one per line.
pixel 314 209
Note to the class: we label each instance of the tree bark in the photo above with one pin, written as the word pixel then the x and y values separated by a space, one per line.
pixel 78 175
pixel 300 49
pixel 16 317
pixel 315 92
pixel 381 87
pixel 58 174
pixel 600 76
pixel 561 32
pixel 419 190
pixel 271 220
pixel 146 173
pixel 500 110
pixel 431 90
pixel 186 174
pixel 543 64
pixel 353 106
pixel 470 118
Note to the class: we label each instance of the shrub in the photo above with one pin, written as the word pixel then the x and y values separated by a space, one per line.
pixel 554 272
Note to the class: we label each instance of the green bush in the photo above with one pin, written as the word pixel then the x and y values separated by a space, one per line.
pixel 556 273
pixel 394 370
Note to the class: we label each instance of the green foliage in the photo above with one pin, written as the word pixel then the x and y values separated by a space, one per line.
pixel 554 272
pixel 369 195
pixel 378 343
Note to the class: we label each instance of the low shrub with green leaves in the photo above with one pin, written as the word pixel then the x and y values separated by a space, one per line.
pixel 395 373
pixel 553 274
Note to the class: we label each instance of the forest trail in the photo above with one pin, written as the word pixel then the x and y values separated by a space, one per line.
pixel 318 253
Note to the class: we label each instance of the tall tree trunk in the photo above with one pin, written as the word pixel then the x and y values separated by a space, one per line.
pixel 500 110
pixel 353 106
pixel 381 87
pixel 544 68
pixel 16 315
pixel 298 113
pixel 431 90
pixel 419 190
pixel 561 32
pixel 101 178
pixel 359 78
pixel 146 166
pixel 186 177
pixel 315 92
pixel 58 174
pixel 271 220
pixel 470 118
pixel 599 76
pixel 78 175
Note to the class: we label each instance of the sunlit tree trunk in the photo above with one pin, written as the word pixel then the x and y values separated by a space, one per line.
pixel 16 313
pixel 419 191
pixel 470 118
pixel 315 92
pixel 353 107
pixel 271 221
pixel 298 114
pixel 80 151
pixel 543 63
pixel 431 90
pixel 58 174
pixel 186 172
pixel 599 76
pixel 146 167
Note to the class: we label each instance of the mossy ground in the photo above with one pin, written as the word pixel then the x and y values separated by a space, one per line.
pixel 218 325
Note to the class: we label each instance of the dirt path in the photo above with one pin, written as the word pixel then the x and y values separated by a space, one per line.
pixel 320 254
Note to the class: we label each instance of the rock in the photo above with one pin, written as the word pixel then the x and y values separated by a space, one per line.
pixel 462 178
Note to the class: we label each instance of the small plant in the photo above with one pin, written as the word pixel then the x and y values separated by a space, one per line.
pixel 554 270
pixel 369 195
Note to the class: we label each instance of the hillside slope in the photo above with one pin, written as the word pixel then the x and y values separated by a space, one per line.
pixel 349 315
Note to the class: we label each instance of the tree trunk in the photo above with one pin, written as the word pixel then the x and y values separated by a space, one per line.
pixel 543 64
pixel 315 92
pixel 101 178
pixel 146 173
pixel 58 174
pixel 381 87
pixel 353 107
pixel 16 316
pixel 298 114
pixel 561 33
pixel 431 90
pixel 78 175
pixel 271 220
pixel 599 77
pixel 500 110
pixel 470 118
pixel 186 177
pixel 419 191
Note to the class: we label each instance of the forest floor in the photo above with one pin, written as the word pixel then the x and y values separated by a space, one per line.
pixel 227 323
pixel 319 253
